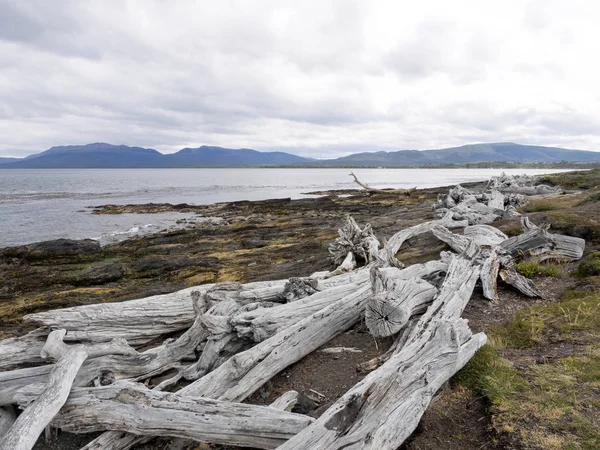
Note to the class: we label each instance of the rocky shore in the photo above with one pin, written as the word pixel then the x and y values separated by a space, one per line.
pixel 280 238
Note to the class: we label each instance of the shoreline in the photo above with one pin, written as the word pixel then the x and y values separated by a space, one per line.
pixel 282 238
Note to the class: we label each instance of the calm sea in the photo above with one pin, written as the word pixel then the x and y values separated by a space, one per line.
pixel 38 205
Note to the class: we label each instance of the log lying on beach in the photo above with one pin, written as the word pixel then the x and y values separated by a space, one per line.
pixel 25 431
pixel 382 410
pixel 143 320
pixel 522 184
pixel 371 190
pixel 262 323
pixel 7 419
pixel 126 406
pixel 479 208
pixel 537 244
pixel 394 302
pixel 125 363
pixel 246 372
pixel 24 350
pixel 360 241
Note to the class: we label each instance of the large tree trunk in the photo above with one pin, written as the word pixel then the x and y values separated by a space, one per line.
pixel 130 407
pixel 381 411
pixel 29 425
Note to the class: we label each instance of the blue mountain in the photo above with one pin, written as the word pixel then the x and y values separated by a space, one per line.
pixel 101 155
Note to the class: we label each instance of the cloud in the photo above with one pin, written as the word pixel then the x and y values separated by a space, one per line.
pixel 317 78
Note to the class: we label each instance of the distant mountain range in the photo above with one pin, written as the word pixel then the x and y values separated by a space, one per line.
pixel 101 155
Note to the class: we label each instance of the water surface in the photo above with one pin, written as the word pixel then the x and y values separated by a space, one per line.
pixel 43 204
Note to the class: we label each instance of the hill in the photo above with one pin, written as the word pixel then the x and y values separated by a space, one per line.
pixel 498 152
pixel 101 155
pixel 8 160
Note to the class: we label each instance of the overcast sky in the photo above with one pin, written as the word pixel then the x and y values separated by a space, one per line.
pixel 320 79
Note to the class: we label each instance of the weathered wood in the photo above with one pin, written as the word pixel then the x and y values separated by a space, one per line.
pixel 456 242
pixel 29 425
pixel 495 199
pixel 537 244
pixel 347 265
pixel 382 410
pixel 297 288
pixel 523 184
pixel 13 380
pixel 131 407
pixel 524 285
pixel 246 372
pixel 396 241
pixel 24 350
pixel 489 275
pixel 137 321
pixel 56 348
pixel 263 323
pixel 360 241
pixel 7 419
pixel 286 402
pixel 143 320
pixel 485 235
pixel 394 301
pixel 124 366
pixel 338 350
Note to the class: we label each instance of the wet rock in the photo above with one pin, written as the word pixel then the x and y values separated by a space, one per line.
pixel 156 265
pixel 100 275
pixel 56 249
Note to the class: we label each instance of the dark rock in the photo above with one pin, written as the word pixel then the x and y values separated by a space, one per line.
pixel 59 248
pixel 100 275
pixel 253 243
pixel 155 265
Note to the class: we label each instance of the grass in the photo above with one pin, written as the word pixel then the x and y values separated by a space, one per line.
pixel 552 203
pixel 532 269
pixel 544 406
pixel 587 179
pixel 590 266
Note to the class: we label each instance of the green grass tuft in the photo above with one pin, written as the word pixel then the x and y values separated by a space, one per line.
pixel 532 269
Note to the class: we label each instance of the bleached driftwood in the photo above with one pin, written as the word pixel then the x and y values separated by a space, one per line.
pixel 297 288
pixel 131 365
pixel 126 406
pixel 143 320
pixel 475 208
pixel 360 241
pixel 523 184
pixel 519 282
pixel 246 372
pixel 7 419
pixel 537 244
pixel 396 241
pixel 24 350
pixel 286 402
pixel 382 410
pixel 489 275
pixel 29 425
pixel 262 323
pixel 394 301
pixel 338 350
pixel 485 235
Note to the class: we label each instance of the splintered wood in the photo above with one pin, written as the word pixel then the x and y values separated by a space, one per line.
pixel 92 368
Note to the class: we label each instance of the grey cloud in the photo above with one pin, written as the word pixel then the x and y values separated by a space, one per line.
pixel 274 75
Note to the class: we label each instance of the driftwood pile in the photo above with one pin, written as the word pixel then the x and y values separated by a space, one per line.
pixel 94 368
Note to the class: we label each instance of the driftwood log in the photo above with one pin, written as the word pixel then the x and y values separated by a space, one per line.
pixel 381 411
pixel 25 431
pixel 126 406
